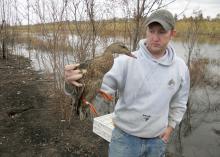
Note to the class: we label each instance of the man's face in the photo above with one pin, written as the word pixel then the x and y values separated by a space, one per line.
pixel 158 38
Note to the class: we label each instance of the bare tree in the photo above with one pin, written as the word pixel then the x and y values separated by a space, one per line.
pixel 90 10
pixel 79 31
pixel 3 29
pixel 5 22
pixel 3 39
pixel 51 33
pixel 197 68
pixel 28 18
pixel 190 42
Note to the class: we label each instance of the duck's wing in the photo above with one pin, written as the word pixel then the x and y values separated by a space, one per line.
pixel 76 94
pixel 92 87
pixel 79 97
pixel 85 64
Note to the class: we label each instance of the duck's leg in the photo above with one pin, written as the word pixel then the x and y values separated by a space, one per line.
pixel 105 95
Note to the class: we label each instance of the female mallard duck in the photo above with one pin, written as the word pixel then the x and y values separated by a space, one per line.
pixel 93 71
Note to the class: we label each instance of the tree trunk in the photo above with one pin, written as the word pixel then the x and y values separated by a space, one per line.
pixel 3 49
pixel 136 35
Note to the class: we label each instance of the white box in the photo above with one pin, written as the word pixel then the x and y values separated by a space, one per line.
pixel 103 126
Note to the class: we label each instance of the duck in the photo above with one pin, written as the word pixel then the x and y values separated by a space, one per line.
pixel 93 72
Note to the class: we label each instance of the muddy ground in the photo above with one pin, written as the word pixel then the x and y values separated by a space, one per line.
pixel 34 117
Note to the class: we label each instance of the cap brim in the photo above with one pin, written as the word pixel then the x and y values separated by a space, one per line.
pixel 161 22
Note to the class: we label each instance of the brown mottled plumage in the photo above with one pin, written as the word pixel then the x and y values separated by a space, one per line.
pixel 92 79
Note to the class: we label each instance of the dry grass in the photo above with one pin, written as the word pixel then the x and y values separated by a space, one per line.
pixel 198 71
pixel 44 45
pixel 210 29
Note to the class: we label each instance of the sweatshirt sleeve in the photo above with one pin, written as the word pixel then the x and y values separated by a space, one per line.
pixel 179 101
pixel 114 78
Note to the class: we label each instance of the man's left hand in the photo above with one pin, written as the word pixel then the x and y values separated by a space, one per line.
pixel 166 134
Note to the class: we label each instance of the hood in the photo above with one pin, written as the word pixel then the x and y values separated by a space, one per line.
pixel 166 60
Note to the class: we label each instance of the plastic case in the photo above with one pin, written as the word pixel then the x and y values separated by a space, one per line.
pixel 103 126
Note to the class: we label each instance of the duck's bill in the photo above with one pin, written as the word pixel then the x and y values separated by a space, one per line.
pixel 131 55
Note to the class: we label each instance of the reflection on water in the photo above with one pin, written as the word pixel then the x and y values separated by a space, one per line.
pixel 210 51
pixel 43 61
pixel 204 140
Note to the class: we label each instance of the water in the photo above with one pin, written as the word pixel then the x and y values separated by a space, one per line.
pixel 42 61
pixel 205 50
pixel 204 140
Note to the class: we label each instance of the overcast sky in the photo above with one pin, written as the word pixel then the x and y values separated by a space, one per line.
pixel 209 7
pixel 186 7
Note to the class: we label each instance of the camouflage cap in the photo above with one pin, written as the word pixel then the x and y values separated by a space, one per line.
pixel 163 17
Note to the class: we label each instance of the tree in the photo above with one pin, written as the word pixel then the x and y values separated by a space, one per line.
pixel 52 34
pixel 190 40
pixel 3 40
pixel 208 18
pixel 197 69
pixel 90 11
pixel 80 31
pixel 199 14
pixel 5 17
pixel 175 17
pixel 218 16
pixel 184 17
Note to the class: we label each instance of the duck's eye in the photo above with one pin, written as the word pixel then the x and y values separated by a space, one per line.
pixel 123 46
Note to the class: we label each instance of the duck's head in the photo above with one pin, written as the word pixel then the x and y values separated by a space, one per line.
pixel 119 48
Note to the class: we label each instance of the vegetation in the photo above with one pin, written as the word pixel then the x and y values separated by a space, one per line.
pixel 209 30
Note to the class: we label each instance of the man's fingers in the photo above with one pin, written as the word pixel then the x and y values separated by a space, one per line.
pixel 77 83
pixel 69 73
pixel 73 80
pixel 71 66
pixel 163 138
pixel 74 77
pixel 72 74
pixel 75 72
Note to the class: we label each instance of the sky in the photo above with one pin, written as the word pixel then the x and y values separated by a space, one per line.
pixel 209 7
pixel 180 7
pixel 185 7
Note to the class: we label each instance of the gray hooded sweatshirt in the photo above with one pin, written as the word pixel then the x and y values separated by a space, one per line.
pixel 152 92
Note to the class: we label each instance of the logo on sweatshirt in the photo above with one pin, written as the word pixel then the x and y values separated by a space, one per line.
pixel 171 83
pixel 146 117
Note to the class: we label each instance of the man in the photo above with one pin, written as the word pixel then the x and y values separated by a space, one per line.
pixel 153 92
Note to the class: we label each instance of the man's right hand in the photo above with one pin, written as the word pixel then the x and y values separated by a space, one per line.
pixel 72 74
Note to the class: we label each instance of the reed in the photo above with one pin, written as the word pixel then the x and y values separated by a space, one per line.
pixel 209 29
pixel 40 44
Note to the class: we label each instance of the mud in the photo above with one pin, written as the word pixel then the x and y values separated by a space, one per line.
pixel 34 117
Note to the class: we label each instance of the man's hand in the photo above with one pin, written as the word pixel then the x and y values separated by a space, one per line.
pixel 166 134
pixel 72 74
